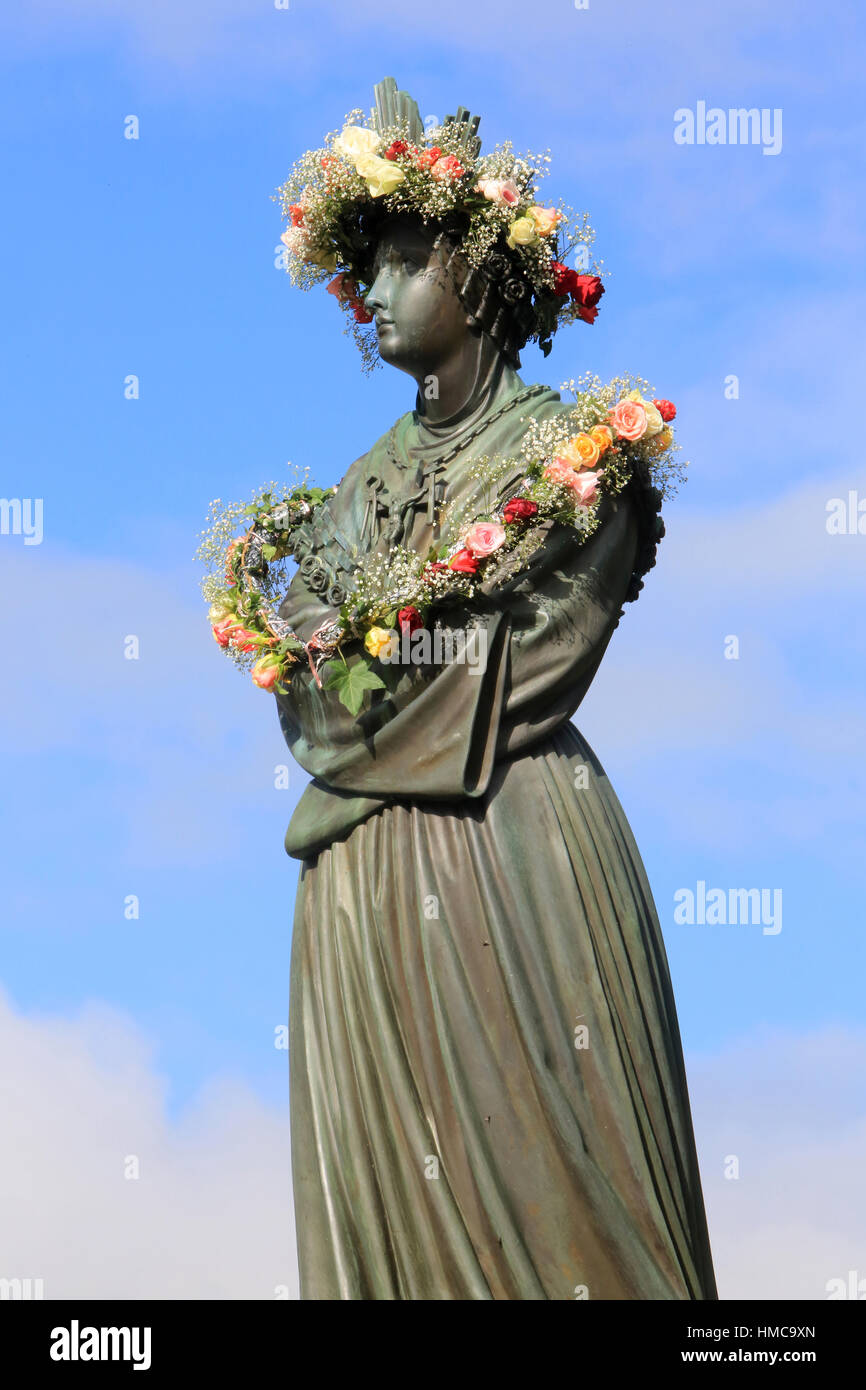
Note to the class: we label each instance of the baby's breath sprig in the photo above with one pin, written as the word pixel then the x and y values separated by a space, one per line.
pixel 613 437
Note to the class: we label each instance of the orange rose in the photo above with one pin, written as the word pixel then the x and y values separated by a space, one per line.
pixel 602 436
pixel 581 452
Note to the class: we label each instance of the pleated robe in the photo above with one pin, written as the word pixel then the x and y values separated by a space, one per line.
pixel 488 1096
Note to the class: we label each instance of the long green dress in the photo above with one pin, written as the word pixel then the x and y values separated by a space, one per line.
pixel 488 1098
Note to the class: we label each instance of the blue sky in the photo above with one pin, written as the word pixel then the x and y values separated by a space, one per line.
pixel 155 257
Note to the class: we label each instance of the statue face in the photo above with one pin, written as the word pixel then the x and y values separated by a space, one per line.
pixel 420 321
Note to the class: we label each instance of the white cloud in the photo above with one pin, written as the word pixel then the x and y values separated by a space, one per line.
pixel 791 1109
pixel 210 1215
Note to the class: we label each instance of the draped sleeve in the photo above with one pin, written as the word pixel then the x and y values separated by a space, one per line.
pixel 436 733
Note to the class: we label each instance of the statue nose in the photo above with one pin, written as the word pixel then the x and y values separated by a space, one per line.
pixel 378 297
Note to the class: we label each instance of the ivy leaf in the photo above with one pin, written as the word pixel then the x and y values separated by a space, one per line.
pixel 290 644
pixel 269 551
pixel 350 682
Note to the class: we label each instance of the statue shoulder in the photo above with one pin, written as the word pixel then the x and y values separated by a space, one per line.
pixel 358 471
pixel 548 403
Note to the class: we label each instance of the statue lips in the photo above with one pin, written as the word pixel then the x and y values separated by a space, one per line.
pixel 382 322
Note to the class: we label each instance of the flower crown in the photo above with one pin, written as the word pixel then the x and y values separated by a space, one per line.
pixel 388 165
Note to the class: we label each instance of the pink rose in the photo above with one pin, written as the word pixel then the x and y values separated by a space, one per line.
pixel 584 484
pixel 561 471
pixel 484 537
pixel 265 672
pixel 629 420
pixel 499 191
pixel 586 488
pixel 448 167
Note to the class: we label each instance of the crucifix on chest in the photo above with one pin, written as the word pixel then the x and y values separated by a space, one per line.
pixel 397 512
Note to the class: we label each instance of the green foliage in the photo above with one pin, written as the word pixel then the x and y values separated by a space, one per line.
pixel 350 682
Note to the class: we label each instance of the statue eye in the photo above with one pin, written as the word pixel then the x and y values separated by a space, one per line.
pixel 411 266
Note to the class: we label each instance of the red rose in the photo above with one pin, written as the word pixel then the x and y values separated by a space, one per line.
pixel 519 509
pixel 409 619
pixel 434 568
pixel 344 287
pixel 399 147
pixel 296 212
pixel 362 313
pixel 666 409
pixel 586 292
pixel 563 278
pixel 464 562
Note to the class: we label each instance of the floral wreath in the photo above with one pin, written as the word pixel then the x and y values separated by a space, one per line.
pixel 389 163
pixel 614 435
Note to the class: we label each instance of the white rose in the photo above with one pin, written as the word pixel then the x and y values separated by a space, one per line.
pixel 356 140
pixel 381 175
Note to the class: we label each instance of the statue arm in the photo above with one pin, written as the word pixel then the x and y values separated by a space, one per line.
pixel 438 732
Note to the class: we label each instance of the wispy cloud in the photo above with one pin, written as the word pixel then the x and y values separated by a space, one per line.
pixel 182 747
pixel 209 1214
pixel 756 750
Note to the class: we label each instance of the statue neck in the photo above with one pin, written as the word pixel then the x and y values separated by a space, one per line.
pixel 464 388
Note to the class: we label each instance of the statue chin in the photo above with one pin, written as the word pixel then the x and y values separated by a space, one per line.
pixel 388 340
pixel 397 352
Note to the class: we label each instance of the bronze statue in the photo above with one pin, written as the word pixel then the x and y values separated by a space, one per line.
pixel 488 1097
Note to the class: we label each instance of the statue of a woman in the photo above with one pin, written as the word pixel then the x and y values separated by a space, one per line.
pixel 488 1097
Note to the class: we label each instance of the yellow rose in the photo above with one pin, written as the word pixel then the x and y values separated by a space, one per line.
pixel 381 175
pixel 663 440
pixel 378 638
pixel 602 436
pixel 356 140
pixel 581 451
pixel 545 219
pixel 522 232
pixel 654 421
